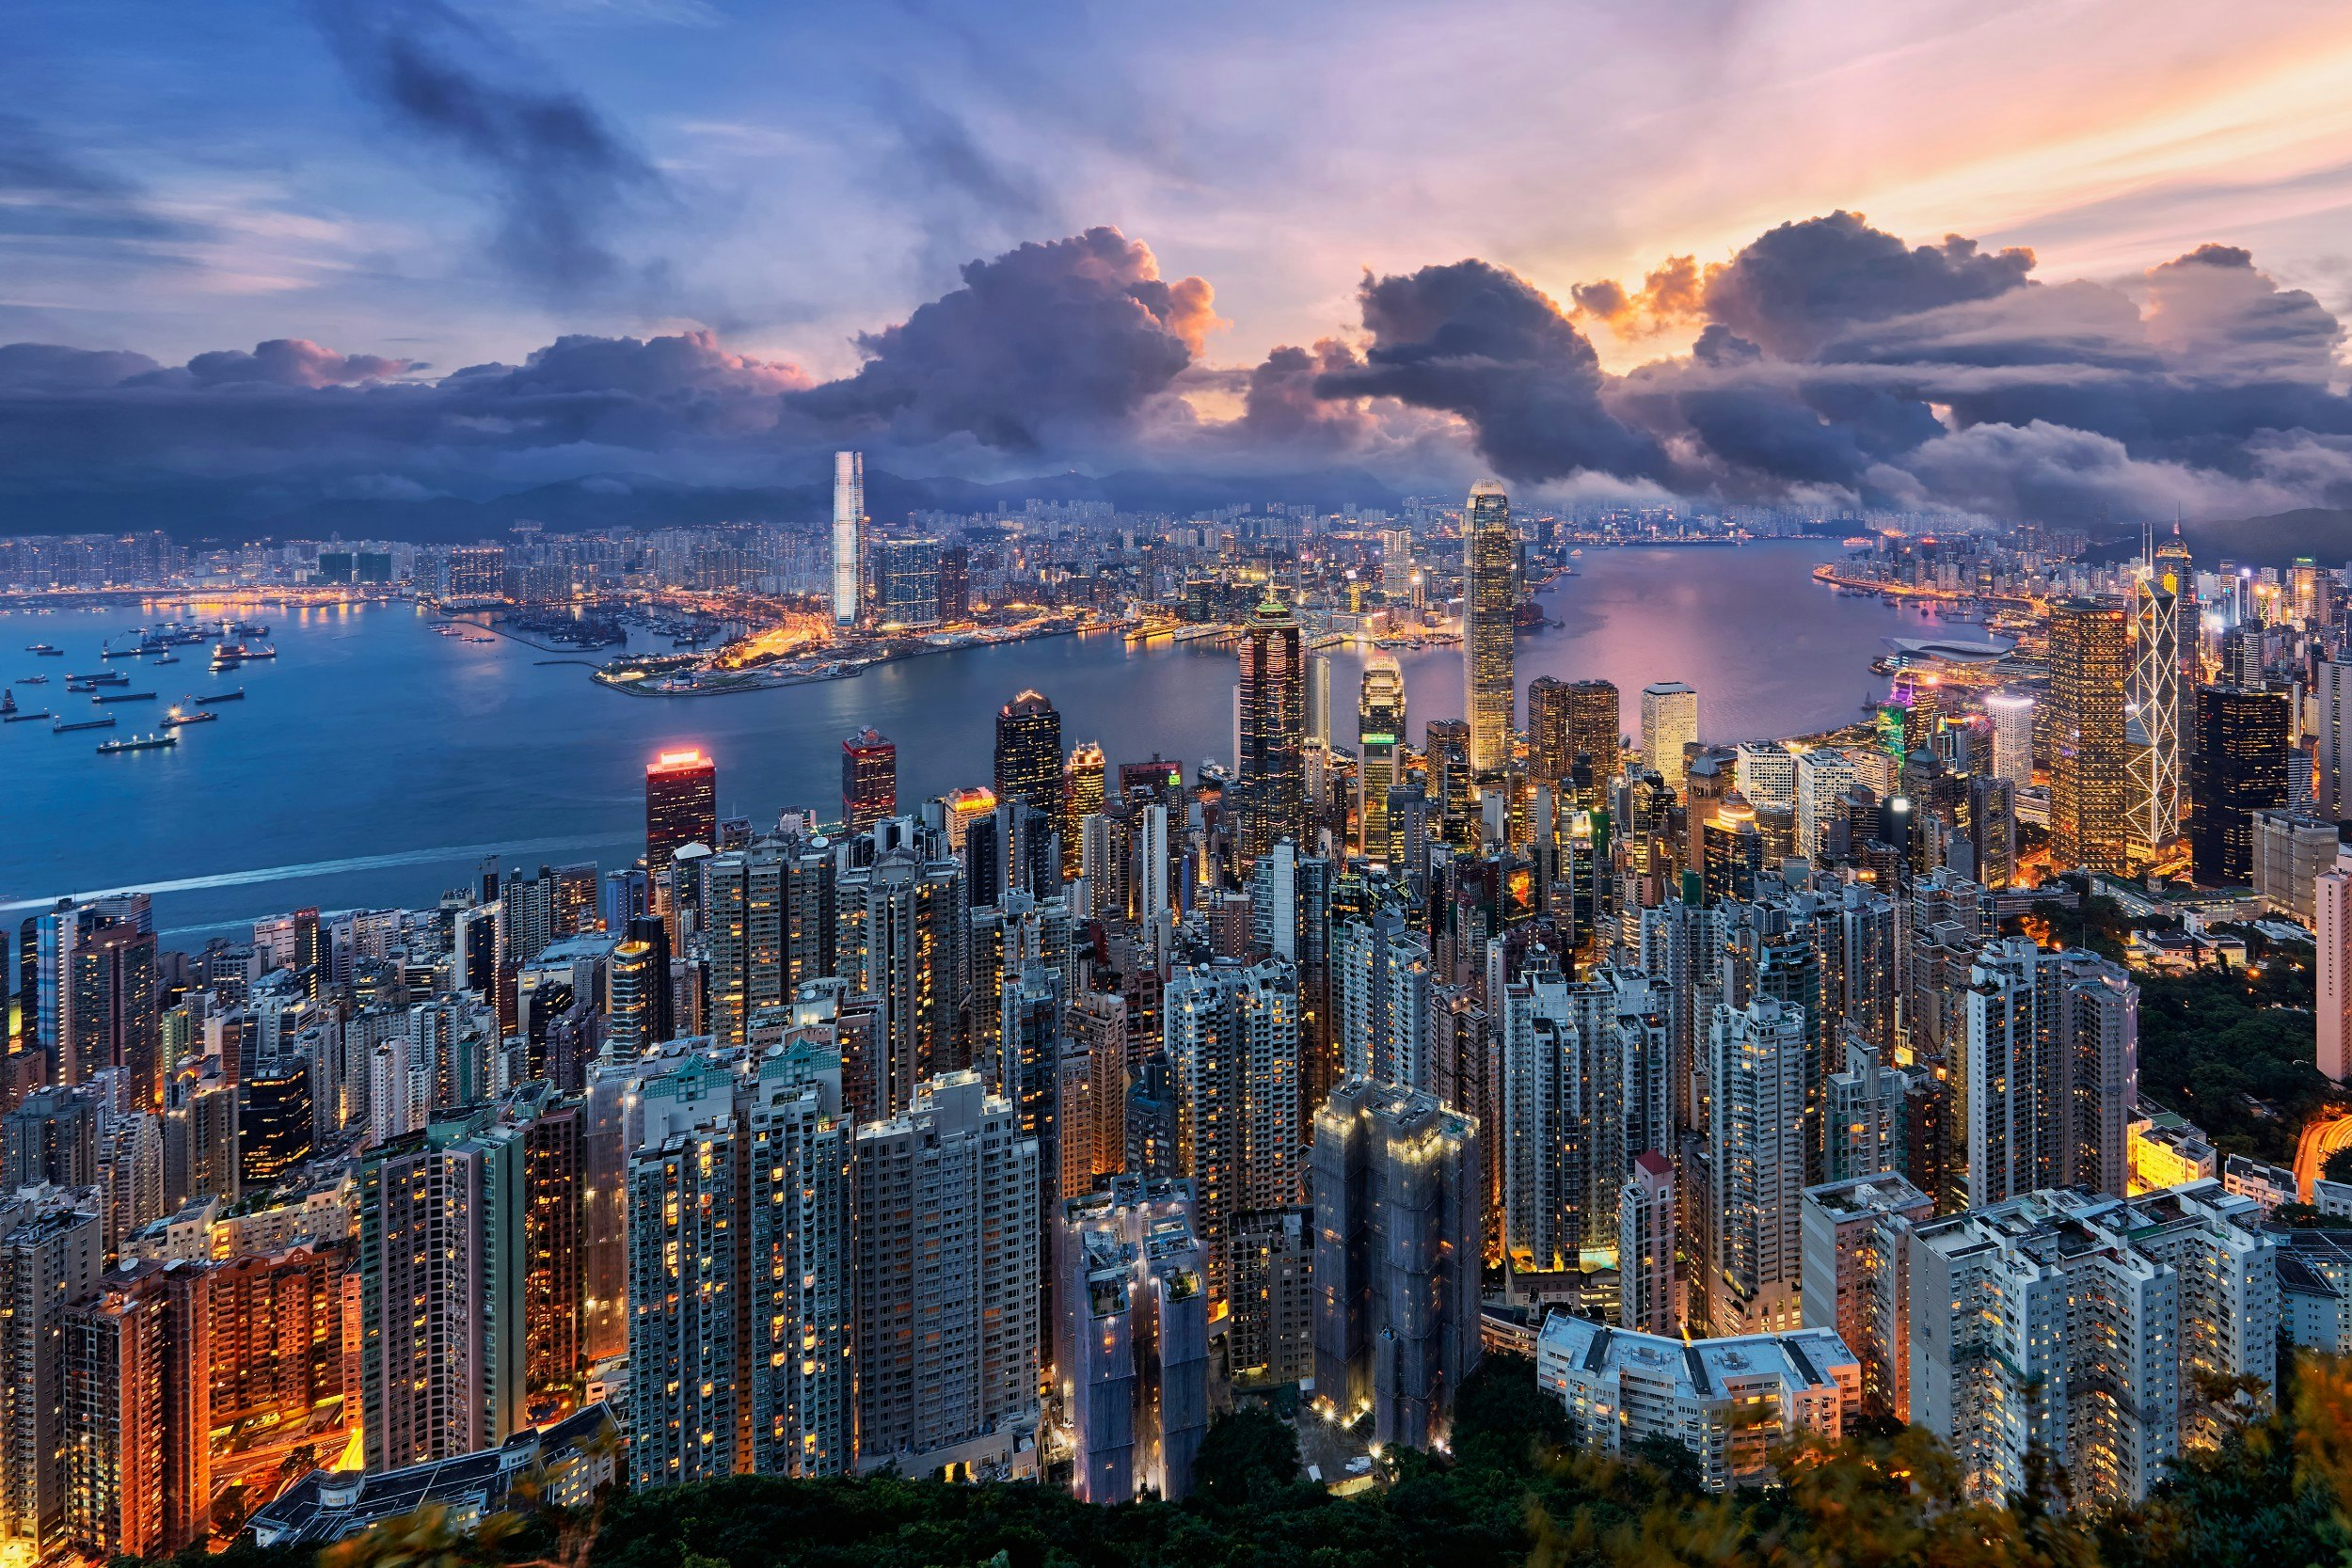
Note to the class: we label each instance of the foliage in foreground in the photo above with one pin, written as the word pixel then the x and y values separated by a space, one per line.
pixel 2274 1496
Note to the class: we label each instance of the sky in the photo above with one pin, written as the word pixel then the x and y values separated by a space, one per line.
pixel 418 187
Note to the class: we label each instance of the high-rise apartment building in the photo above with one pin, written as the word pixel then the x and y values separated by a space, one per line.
pixel 2089 777
pixel 1670 722
pixel 51 1253
pixel 1824 775
pixel 1649 1265
pixel 870 779
pixel 1272 766
pixel 138 1383
pixel 900 926
pixel 1131 1345
pixel 1857 1277
pixel 946 1282
pixel 1399 1183
pixel 1230 1033
pixel 1379 738
pixel 1756 1162
pixel 848 537
pixel 2331 702
pixel 2050 1075
pixel 681 805
pixel 1489 604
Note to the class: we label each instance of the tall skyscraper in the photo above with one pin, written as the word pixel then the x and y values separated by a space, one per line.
pixel 900 941
pixel 1028 754
pixel 909 574
pixel 2331 696
pixel 1757 1163
pixel 1670 721
pixel 1082 792
pixel 681 805
pixel 51 1255
pixel 1132 1346
pixel 870 779
pixel 1649 1277
pixel 1231 1035
pixel 2050 1071
pixel 848 537
pixel 2242 748
pixel 1273 761
pixel 2153 697
pixel 2331 898
pixel 1596 729
pixel 2012 716
pixel 2090 779
pixel 1399 1185
pixel 1379 732
pixel 1488 603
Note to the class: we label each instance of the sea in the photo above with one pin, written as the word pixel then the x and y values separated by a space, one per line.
pixel 375 762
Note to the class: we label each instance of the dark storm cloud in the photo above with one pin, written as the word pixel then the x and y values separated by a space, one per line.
pixel 1803 284
pixel 560 176
pixel 1071 337
pixel 1478 341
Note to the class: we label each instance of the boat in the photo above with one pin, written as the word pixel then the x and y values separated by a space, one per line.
pixel 167 658
pixel 103 678
pixel 201 716
pixel 7 702
pixel 124 697
pixel 121 653
pixel 263 649
pixel 34 680
pixel 26 718
pixel 137 743
pixel 106 723
pixel 209 699
pixel 243 628
pixel 44 650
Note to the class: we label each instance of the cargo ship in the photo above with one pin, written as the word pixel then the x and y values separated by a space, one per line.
pixel 201 716
pixel 106 723
pixel 103 678
pixel 137 743
pixel 208 700
pixel 124 697
pixel 44 650
pixel 34 680
pixel 25 718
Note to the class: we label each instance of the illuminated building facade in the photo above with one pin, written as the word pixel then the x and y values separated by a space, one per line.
pixel 1670 724
pixel 1488 605
pixel 848 537
pixel 2090 780
pixel 1272 734
pixel 1082 779
pixel 1028 754
pixel 870 779
pixel 1379 734
pixel 2243 739
pixel 2153 704
pixel 909 570
pixel 681 805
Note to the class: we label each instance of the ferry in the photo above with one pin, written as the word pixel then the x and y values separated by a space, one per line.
pixel 210 697
pixel 124 697
pixel 201 716
pixel 44 650
pixel 106 723
pixel 137 743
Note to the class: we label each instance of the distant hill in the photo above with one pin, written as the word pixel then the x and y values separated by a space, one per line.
pixel 2324 533
pixel 320 506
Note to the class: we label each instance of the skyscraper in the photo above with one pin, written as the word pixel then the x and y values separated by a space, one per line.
pixel 848 536
pixel 870 779
pixel 1670 721
pixel 2012 713
pixel 1757 1164
pixel 1132 1345
pixel 681 805
pixel 1488 607
pixel 1649 1279
pixel 2331 898
pixel 1273 760
pixel 1596 729
pixel 2153 704
pixel 909 573
pixel 2242 743
pixel 2331 694
pixel 1379 731
pixel 1232 1038
pixel 2089 788
pixel 1082 779
pixel 1028 754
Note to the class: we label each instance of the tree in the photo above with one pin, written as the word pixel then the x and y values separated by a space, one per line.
pixel 1248 1459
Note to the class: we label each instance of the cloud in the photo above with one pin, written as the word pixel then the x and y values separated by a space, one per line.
pixel 1067 338
pixel 1478 341
pixel 560 176
pixel 49 191
pixel 292 362
pixel 1671 297
pixel 1803 284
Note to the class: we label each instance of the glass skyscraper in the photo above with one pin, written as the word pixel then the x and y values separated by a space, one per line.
pixel 1486 629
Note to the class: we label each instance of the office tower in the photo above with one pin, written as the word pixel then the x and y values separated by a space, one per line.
pixel 1756 1149
pixel 2012 722
pixel 2291 848
pixel 1319 700
pixel 2331 700
pixel 1649 1271
pixel 1082 796
pixel 848 537
pixel 1730 1402
pixel 870 779
pixel 1028 754
pixel 1857 1277
pixel 2154 695
pixel 1131 1347
pixel 955 584
pixel 1445 747
pixel 1379 732
pixel 115 1018
pixel 2089 1328
pixel 1231 1035
pixel 276 1119
pixel 681 805
pixel 1766 773
pixel 138 1375
pixel 51 1254
pixel 1381 973
pixel 1272 697
pixel 1823 776
pixel 2242 748
pixel 1488 603
pixel 1399 1233
pixel 441 1266
pixel 947 1287
pixel 1595 730
pixel 1270 1287
pixel 900 934
pixel 2331 898
pixel 2050 1071
pixel 1670 722
pixel 909 571
pixel 2089 792
pixel 737 1237
pixel 1562 1127
pixel 1549 754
